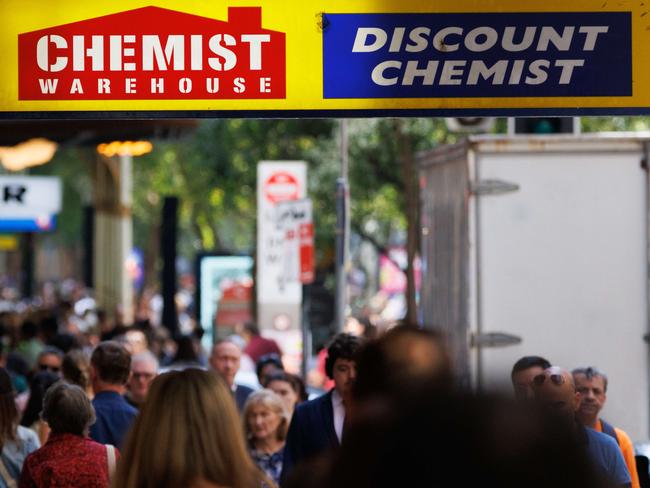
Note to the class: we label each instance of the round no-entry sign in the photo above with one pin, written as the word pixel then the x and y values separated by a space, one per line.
pixel 281 186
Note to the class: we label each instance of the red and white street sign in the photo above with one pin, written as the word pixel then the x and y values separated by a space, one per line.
pixel 281 186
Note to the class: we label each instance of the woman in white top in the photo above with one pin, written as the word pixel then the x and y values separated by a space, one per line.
pixel 16 441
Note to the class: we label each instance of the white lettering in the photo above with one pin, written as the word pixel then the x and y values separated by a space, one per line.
pixel 472 43
pixel 174 48
pixel 212 85
pixel 497 72
pixel 517 71
pixel 412 71
pixel 440 42
pixel 196 58
pixel 592 35
pixel 76 87
pixel 568 65
pixel 550 35
pixel 451 69
pixel 96 53
pixel 185 85
pixel 255 49
pixel 48 85
pixel 129 85
pixel 265 85
pixel 230 59
pixel 540 75
pixel 157 85
pixel 240 85
pixel 42 53
pixel 418 37
pixel 103 85
pixel 378 73
pixel 508 42
pixel 361 40
pixel 396 41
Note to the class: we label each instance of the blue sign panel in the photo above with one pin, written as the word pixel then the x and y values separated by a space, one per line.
pixel 449 55
pixel 41 224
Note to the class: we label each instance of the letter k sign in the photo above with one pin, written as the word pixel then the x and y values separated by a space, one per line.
pixel 14 192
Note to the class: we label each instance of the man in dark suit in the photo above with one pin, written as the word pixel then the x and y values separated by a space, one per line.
pixel 317 425
pixel 225 360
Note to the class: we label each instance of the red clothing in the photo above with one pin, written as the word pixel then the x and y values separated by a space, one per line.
pixel 258 346
pixel 67 461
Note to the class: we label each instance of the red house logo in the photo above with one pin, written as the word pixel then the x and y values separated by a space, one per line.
pixel 154 53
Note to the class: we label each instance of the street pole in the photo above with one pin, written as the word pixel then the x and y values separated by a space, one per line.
pixel 342 230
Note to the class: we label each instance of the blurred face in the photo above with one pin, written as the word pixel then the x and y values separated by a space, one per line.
pixel 263 422
pixel 344 372
pixel 225 361
pixel 286 393
pixel 522 382
pixel 592 394
pixel 142 374
pixel 267 371
pixel 49 362
pixel 557 393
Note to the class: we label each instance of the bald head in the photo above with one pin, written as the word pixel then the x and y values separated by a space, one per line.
pixel 554 389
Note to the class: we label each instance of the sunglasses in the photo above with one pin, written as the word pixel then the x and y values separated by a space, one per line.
pixel 556 379
pixel 45 367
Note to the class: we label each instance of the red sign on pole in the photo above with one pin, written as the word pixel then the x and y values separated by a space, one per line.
pixel 306 231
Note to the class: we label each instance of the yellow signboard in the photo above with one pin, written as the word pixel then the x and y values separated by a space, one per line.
pixel 286 57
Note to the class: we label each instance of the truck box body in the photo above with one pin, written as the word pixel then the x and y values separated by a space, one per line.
pixel 543 239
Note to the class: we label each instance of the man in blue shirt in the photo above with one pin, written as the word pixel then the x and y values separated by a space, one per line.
pixel 109 372
pixel 555 389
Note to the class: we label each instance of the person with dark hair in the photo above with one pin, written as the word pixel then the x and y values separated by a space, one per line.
pixel 267 365
pixel 591 384
pixel 317 425
pixel 69 459
pixel 41 382
pixel 76 370
pixel 256 345
pixel 225 360
pixel 289 388
pixel 523 372
pixel 110 368
pixel 49 359
pixel 16 441
pixel 555 390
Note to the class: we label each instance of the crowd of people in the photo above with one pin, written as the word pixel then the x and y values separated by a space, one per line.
pixel 121 412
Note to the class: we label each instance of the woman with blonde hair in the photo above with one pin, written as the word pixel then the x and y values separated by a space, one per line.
pixel 266 422
pixel 188 434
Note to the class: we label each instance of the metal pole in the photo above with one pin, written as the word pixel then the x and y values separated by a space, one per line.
pixel 342 230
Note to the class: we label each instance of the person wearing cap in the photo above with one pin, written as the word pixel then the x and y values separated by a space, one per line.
pixel 17 441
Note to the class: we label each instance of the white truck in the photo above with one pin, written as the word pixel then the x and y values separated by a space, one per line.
pixel 539 245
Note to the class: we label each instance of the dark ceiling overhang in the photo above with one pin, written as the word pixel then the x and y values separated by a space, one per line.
pixel 92 132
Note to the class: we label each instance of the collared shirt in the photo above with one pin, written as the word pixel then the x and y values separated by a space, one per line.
pixel 114 418
pixel 339 414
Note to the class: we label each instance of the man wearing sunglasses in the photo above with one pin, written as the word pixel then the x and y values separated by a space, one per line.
pixel 49 359
pixel 556 391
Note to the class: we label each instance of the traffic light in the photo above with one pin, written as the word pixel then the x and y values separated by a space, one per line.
pixel 545 125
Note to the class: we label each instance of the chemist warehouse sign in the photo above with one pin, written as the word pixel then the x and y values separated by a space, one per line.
pixel 64 58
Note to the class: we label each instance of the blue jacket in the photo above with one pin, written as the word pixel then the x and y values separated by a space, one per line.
pixel 114 418
pixel 311 432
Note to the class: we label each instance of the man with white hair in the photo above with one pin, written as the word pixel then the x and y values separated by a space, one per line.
pixel 144 368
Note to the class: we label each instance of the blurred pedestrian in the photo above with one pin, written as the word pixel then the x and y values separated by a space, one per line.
pixel 225 360
pixel 41 382
pixel 76 370
pixel 49 359
pixel 109 372
pixel 523 372
pixel 144 368
pixel 16 441
pixel 266 365
pixel 69 459
pixel 195 441
pixel 256 345
pixel 289 388
pixel 556 391
pixel 317 425
pixel 266 422
pixel 592 384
